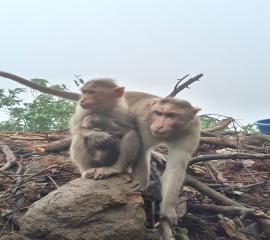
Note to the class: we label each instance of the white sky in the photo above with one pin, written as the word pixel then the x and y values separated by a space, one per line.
pixel 146 46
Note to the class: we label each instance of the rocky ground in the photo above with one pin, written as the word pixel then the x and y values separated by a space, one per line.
pixel 42 165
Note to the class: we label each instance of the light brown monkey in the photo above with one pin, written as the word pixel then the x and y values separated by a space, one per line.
pixel 168 121
pixel 102 96
pixel 171 122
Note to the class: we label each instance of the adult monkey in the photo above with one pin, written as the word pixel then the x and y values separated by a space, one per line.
pixel 170 121
pixel 104 141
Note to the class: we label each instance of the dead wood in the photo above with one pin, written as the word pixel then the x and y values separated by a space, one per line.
pixel 10 158
pixel 233 156
pixel 214 195
pixel 223 124
pixel 178 88
pixel 35 136
pixel 231 210
pixel 56 146
pixel 225 142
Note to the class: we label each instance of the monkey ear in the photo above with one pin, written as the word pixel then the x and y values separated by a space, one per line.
pixel 119 91
pixel 195 110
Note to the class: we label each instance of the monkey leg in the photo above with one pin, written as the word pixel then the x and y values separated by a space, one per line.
pixel 142 170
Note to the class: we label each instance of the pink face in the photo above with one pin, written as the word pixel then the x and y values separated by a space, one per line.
pixel 167 119
pixel 99 98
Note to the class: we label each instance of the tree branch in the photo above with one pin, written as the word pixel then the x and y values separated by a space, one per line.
pixel 178 89
pixel 233 156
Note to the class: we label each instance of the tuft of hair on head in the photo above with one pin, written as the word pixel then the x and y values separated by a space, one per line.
pixel 103 82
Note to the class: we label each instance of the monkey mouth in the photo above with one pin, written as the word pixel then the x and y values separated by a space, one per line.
pixel 160 133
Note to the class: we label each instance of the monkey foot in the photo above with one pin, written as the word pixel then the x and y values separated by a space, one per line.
pixel 105 172
pixel 137 187
pixel 170 216
pixel 89 173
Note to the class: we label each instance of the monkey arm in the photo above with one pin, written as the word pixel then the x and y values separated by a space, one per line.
pixel 172 181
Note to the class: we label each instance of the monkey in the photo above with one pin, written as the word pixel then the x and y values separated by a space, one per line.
pixel 158 120
pixel 104 141
pixel 103 153
pixel 175 124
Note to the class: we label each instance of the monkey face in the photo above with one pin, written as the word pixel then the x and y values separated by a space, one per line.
pixel 162 123
pixel 169 117
pixel 100 97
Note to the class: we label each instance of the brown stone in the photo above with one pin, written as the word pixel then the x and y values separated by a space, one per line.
pixel 85 209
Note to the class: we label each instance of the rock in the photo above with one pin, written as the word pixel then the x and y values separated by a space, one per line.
pixel 86 209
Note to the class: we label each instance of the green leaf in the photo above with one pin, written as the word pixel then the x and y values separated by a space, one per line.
pixel 6 213
pixel 181 233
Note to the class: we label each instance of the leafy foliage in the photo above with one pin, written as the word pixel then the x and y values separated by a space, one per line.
pixel 44 113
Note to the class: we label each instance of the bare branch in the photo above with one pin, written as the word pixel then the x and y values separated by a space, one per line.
pixel 28 83
pixel 232 156
pixel 216 196
pixel 10 157
pixel 223 124
pixel 178 89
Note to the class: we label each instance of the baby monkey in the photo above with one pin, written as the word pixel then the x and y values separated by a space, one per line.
pixel 103 152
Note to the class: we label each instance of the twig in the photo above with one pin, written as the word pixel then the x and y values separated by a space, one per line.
pixel 218 174
pixel 10 157
pixel 7 175
pixel 178 89
pixel 233 156
pixel 218 140
pixel 223 124
pixel 53 182
pixel 248 171
pixel 216 196
pixel 210 171
pixel 231 210
pixel 3 228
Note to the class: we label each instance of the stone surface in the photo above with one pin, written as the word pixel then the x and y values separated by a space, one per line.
pixel 85 209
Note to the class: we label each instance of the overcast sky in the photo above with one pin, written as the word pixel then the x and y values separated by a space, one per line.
pixel 146 45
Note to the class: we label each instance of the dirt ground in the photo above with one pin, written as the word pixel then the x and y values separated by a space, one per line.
pixel 246 182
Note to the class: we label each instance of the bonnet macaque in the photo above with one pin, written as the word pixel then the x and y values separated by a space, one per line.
pixel 168 121
pixel 102 131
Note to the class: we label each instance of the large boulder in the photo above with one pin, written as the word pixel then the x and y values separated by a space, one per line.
pixel 85 209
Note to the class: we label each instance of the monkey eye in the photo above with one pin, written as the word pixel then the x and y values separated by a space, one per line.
pixel 169 115
pixel 158 113
pixel 88 92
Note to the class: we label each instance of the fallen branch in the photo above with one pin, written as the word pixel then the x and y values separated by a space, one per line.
pixel 10 157
pixel 232 156
pixel 55 146
pixel 216 196
pixel 229 143
pixel 223 124
pixel 231 210
pixel 178 88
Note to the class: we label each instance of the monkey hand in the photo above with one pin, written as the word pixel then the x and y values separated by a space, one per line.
pixel 105 172
pixel 103 140
pixel 169 214
pixel 89 173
